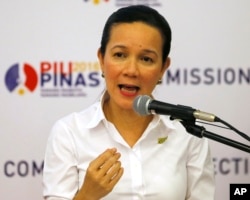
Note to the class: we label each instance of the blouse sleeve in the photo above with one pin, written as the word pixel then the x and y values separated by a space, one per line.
pixel 60 176
pixel 200 171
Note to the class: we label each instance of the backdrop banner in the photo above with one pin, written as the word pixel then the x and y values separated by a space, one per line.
pixel 49 68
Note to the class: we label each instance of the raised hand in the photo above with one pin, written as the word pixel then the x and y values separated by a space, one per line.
pixel 102 175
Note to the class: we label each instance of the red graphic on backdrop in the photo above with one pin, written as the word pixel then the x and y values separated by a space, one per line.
pixel 13 78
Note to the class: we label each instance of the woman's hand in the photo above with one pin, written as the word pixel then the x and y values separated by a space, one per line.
pixel 102 175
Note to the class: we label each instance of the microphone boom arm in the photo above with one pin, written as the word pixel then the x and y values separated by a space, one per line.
pixel 200 131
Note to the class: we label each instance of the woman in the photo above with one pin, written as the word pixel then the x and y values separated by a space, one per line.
pixel 108 151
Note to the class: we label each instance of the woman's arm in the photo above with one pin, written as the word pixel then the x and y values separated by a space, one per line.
pixel 200 171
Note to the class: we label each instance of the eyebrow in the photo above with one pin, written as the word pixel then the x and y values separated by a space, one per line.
pixel 145 50
pixel 119 46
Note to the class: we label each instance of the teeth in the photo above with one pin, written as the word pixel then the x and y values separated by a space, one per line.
pixel 129 88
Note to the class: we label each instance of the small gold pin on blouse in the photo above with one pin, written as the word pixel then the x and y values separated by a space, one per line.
pixel 162 140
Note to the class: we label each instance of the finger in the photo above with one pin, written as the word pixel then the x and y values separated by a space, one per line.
pixel 109 163
pixel 101 159
pixel 113 170
pixel 116 178
pixel 109 183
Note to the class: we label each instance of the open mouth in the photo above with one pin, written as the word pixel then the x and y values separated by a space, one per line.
pixel 129 88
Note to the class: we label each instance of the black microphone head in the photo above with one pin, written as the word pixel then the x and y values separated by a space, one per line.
pixel 141 103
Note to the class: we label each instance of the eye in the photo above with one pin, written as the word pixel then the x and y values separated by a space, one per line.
pixel 119 55
pixel 147 59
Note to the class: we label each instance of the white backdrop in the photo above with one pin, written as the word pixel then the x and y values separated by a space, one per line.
pixel 40 40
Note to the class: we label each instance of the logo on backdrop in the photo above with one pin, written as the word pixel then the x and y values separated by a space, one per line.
pixel 121 3
pixel 96 1
pixel 14 79
pixel 152 3
pixel 54 79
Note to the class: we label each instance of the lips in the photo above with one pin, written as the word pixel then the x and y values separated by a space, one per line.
pixel 128 89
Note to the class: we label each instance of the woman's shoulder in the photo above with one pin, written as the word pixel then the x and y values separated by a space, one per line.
pixel 83 117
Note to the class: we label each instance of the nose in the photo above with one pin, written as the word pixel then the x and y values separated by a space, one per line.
pixel 131 68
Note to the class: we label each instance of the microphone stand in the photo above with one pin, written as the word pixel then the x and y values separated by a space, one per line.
pixel 200 131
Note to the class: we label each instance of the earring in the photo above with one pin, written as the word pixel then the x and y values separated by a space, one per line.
pixel 102 75
pixel 159 82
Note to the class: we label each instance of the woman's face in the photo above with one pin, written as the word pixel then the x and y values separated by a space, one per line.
pixel 132 64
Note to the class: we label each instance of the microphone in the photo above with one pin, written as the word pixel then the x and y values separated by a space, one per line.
pixel 145 105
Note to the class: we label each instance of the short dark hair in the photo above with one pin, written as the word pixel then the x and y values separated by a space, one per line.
pixel 143 14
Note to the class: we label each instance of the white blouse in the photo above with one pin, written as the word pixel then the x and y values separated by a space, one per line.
pixel 166 163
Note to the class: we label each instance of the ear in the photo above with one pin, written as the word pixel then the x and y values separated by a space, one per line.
pixel 165 66
pixel 100 58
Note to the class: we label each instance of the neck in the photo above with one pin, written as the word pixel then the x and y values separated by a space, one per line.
pixel 128 123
